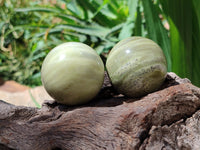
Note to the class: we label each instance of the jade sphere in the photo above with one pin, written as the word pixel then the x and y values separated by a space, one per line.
pixel 136 66
pixel 72 73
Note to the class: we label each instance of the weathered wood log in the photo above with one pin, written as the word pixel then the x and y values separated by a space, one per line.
pixel 165 119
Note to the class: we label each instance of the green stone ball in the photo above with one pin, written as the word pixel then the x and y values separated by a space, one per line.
pixel 136 66
pixel 72 73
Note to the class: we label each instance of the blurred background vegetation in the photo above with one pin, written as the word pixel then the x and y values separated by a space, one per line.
pixel 29 29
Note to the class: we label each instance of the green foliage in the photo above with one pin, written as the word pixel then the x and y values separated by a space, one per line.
pixel 184 36
pixel 28 30
pixel 23 44
pixel 156 30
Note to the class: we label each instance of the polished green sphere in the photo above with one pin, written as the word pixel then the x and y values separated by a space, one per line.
pixel 136 66
pixel 72 73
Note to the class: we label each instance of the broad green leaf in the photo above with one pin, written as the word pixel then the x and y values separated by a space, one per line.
pixel 73 7
pixel 47 32
pixel 185 37
pixel 127 29
pixel 177 51
pixel 196 5
pixel 90 30
pixel 99 17
pixel 114 30
pixel 132 5
pixel 155 29
pixel 54 12
pixel 38 9
pixel 196 51
pixel 70 19
pixel 195 44
pixel 105 11
pixel 100 6
pixel 138 23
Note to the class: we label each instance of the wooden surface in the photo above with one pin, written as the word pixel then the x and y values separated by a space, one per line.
pixel 165 119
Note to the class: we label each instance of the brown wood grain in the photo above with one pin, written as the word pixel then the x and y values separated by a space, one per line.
pixel 165 119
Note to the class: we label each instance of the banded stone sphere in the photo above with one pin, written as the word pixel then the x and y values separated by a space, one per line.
pixel 72 73
pixel 136 66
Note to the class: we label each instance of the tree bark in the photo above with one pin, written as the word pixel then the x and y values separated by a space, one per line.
pixel 165 119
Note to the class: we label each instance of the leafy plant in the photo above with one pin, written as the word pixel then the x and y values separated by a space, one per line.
pixel 100 24
pixel 184 37
pixel 21 52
